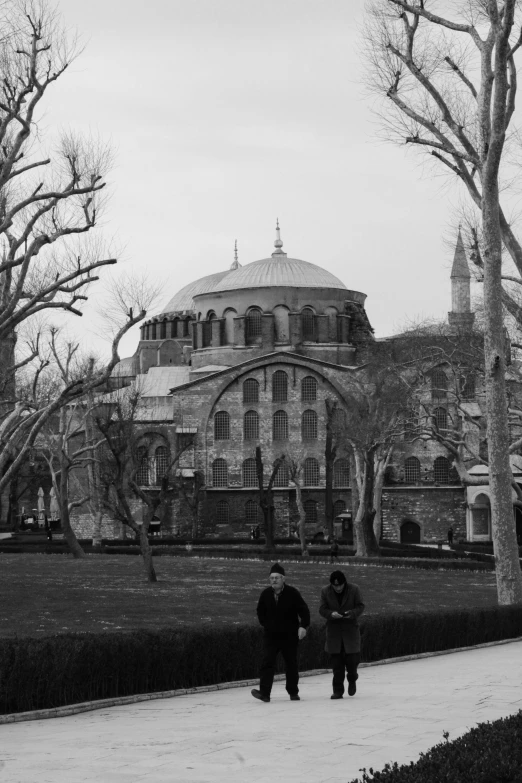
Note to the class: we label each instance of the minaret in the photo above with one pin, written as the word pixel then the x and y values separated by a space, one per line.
pixel 235 263
pixel 460 318
pixel 278 244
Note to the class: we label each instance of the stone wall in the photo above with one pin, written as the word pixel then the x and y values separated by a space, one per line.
pixel 434 509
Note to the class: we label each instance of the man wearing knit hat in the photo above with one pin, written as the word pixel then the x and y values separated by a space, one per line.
pixel 341 605
pixel 285 617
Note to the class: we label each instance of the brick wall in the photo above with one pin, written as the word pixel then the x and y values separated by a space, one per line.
pixel 434 509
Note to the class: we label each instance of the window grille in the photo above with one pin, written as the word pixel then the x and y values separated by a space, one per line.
pixel 280 426
pixel 253 327
pixel 222 513
pixel 441 470
pixel 249 473
pixel 339 507
pixel 309 425
pixel 219 473
pixel 251 512
pixel 279 386
pixel 439 385
pixel 308 389
pixel 250 390
pixel 308 324
pixel 251 426
pixel 311 472
pixel 412 470
pixel 310 508
pixel 222 426
pixel 163 330
pixel 142 474
pixel 341 471
pixel 440 418
pixel 281 478
pixel 162 463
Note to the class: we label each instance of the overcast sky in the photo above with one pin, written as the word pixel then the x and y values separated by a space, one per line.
pixel 225 114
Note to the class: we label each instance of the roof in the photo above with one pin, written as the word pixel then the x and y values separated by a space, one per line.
pixel 184 299
pixel 160 380
pixel 278 270
pixel 125 367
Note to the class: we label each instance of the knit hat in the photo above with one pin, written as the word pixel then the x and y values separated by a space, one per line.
pixel 277 569
pixel 337 578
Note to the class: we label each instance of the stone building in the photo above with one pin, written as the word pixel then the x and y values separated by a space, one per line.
pixel 247 357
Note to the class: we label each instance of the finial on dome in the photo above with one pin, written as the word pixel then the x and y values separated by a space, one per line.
pixel 278 244
pixel 235 263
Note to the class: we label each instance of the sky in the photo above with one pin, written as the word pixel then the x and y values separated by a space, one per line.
pixel 227 114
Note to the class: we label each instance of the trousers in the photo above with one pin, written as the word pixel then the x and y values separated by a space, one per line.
pixel 288 649
pixel 341 662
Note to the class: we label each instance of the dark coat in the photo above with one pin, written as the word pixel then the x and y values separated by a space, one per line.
pixel 347 628
pixel 281 620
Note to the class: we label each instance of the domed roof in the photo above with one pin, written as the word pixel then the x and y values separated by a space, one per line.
pixel 184 299
pixel 278 270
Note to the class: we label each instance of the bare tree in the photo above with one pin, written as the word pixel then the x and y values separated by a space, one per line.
pixel 266 500
pixel 295 467
pixel 450 82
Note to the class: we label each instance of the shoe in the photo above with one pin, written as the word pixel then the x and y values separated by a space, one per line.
pixel 295 697
pixel 336 696
pixel 258 695
pixel 352 688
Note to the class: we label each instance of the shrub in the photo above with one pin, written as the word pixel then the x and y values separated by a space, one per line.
pixel 488 753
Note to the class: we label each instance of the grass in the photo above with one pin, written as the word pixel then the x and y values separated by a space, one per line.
pixel 47 594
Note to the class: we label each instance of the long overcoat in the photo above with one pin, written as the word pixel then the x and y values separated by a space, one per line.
pixel 347 628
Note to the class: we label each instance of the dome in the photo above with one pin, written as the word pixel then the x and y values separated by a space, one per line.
pixel 278 270
pixel 184 299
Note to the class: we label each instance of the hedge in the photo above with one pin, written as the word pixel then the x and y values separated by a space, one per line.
pixel 70 668
pixel 489 753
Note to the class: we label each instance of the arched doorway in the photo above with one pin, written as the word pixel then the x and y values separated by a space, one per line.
pixel 481 518
pixel 410 532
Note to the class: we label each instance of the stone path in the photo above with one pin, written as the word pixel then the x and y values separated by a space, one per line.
pixel 400 710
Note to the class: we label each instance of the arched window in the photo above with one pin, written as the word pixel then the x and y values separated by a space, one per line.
pixel 251 426
pixel 309 425
pixel 249 471
pixel 186 326
pixel 339 507
pixel 222 513
pixel 440 418
pixel 219 473
pixel 281 479
pixel 253 327
pixel 412 470
pixel 308 324
pixel 142 461
pixel 174 327
pixel 163 330
pixel 280 426
pixel 441 470
pixel 222 426
pixel 439 385
pixel 308 389
pixel 250 390
pixel 251 512
pixel 311 472
pixel 467 387
pixel 279 386
pixel 207 334
pixel 341 472
pixel 310 508
pixel 153 331
pixel 162 462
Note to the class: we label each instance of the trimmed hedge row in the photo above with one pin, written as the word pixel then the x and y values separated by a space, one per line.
pixel 70 668
pixel 489 753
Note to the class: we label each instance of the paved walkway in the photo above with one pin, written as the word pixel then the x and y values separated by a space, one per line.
pixel 400 710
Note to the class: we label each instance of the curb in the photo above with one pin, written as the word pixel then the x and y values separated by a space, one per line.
pixel 89 706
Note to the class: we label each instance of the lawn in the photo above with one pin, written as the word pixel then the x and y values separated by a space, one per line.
pixel 43 594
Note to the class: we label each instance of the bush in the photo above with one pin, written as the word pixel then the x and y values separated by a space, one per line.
pixel 70 668
pixel 489 753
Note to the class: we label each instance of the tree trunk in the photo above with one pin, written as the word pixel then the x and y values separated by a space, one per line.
pixel 146 552
pixel 330 452
pixel 367 545
pixel 63 494
pixel 508 573
pixel 377 500
pixel 302 517
pixel 93 479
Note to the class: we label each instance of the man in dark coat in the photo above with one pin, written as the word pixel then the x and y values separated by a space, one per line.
pixel 285 617
pixel 341 605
